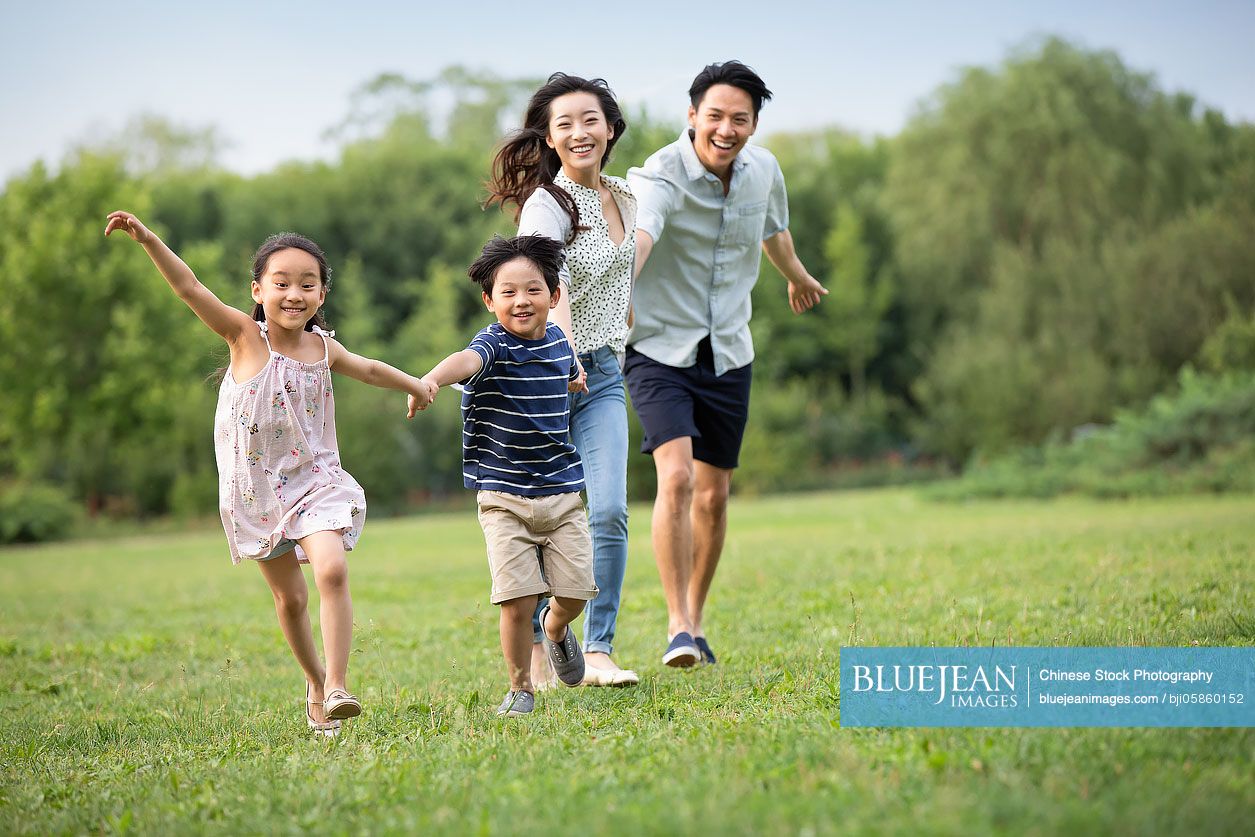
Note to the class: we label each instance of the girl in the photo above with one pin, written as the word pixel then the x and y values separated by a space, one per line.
pixel 551 170
pixel 283 496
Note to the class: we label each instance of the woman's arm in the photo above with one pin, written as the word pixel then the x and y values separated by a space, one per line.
pixel 541 215
pixel 560 315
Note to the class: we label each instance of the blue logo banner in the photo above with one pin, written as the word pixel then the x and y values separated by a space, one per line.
pixel 1047 687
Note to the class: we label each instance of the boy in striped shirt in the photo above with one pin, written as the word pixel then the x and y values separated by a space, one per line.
pixel 516 450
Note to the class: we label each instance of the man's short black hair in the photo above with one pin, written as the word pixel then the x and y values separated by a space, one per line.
pixel 540 250
pixel 734 73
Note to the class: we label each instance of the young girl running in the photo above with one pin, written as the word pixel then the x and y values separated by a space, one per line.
pixel 552 171
pixel 284 498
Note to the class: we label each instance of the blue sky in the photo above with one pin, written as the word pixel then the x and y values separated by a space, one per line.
pixel 272 76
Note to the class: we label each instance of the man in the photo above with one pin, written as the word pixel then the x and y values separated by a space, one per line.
pixel 707 203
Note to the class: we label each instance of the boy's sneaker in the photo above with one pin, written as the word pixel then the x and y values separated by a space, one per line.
pixel 516 703
pixel 708 656
pixel 682 652
pixel 566 656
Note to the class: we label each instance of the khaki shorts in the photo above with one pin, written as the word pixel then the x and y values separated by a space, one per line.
pixel 514 526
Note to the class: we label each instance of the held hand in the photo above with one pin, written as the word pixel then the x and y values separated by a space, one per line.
pixel 805 295
pixel 422 399
pixel 130 225
pixel 580 382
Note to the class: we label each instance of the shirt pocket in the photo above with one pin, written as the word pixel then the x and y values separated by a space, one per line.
pixel 746 223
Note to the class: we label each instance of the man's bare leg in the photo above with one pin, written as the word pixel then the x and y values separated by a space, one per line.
pixel 672 529
pixel 709 520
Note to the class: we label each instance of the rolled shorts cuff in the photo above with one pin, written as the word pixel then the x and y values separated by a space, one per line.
pixel 583 594
pixel 519 592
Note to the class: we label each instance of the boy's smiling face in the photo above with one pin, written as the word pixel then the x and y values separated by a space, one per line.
pixel 520 299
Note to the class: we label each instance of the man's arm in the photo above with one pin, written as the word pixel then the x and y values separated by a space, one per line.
pixel 644 246
pixel 804 289
pixel 655 201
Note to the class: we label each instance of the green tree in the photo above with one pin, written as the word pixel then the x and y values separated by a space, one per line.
pixel 1049 219
pixel 103 369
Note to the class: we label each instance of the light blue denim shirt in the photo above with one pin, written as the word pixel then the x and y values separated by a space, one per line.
pixel 706 254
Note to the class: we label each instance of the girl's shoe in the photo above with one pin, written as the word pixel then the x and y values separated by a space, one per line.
pixel 339 705
pixel 330 729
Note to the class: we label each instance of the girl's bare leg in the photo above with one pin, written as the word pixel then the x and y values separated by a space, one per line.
pixel 291 595
pixel 325 551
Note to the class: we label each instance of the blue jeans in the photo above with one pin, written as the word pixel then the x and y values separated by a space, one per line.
pixel 599 431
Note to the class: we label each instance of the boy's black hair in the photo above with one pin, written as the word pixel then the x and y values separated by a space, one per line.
pixel 540 250
pixel 734 73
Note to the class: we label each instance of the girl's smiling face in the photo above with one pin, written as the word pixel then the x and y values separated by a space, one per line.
pixel 290 289
pixel 578 133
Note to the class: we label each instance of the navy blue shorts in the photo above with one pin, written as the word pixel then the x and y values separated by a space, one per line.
pixel 691 401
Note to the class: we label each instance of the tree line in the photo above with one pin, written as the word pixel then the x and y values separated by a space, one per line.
pixel 1046 242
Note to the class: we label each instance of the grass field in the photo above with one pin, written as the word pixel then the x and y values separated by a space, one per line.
pixel 147 688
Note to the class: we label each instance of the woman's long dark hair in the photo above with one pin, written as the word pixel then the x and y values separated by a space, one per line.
pixel 526 163
pixel 284 241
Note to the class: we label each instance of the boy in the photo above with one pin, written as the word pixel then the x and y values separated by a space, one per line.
pixel 516 451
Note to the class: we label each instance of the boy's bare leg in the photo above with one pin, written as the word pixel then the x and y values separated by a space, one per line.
pixel 325 551
pixel 672 529
pixel 516 641
pixel 562 612
pixel 291 595
pixel 710 524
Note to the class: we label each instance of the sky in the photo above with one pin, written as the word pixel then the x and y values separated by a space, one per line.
pixel 271 77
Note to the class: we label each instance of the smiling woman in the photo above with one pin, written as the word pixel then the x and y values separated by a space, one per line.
pixel 551 170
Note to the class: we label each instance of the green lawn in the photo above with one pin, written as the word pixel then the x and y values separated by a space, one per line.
pixel 147 687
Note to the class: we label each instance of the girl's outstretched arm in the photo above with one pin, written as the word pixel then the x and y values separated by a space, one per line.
pixel 379 374
pixel 227 322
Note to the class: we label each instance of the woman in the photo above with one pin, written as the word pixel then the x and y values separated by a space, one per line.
pixel 552 171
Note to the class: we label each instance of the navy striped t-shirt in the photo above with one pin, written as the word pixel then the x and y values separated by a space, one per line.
pixel 516 417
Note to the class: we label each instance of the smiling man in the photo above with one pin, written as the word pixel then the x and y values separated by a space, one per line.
pixel 707 203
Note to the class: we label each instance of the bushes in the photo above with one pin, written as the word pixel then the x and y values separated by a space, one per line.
pixel 31 512
pixel 1202 438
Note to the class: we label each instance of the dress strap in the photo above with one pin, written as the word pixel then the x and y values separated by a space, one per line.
pixel 326 347
pixel 261 324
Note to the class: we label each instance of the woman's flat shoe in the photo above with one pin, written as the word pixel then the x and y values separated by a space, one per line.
pixel 609 677
pixel 339 705
pixel 330 729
